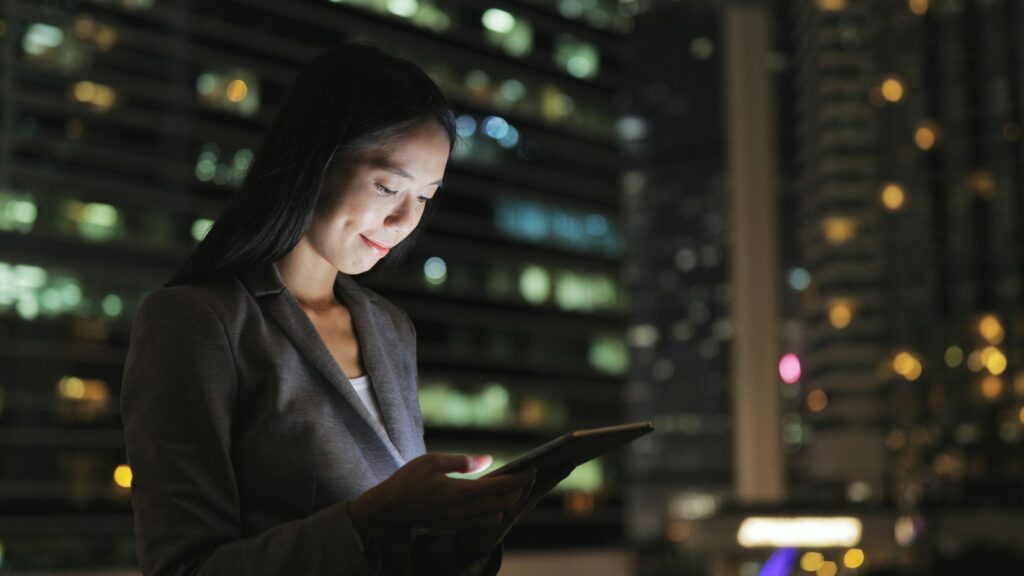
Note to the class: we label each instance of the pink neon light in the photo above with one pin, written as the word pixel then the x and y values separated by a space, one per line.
pixel 789 369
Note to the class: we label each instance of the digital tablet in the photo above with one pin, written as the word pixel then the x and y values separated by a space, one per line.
pixel 575 448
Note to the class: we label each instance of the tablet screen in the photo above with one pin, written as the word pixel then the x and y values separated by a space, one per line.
pixel 575 448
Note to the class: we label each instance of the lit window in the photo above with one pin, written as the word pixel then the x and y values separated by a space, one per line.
pixel 893 196
pixel 512 34
pixel 435 271
pixel 213 165
pixel 18 212
pixel 608 354
pixel 535 284
pixel 100 96
pixel 580 59
pixel 235 90
pixel 93 220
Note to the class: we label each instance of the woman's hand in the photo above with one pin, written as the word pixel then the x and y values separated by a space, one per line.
pixel 476 543
pixel 421 494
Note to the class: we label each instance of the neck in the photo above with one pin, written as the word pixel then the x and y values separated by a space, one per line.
pixel 309 277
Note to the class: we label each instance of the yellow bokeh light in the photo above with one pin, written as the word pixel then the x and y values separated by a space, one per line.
pixel 893 196
pixel 678 531
pixel 1018 384
pixel 991 329
pixel 104 97
pixel 915 371
pixel 854 558
pixel 828 569
pixel 991 387
pixel 838 229
pixel 840 315
pixel 105 38
pixel 892 90
pixel 994 360
pixel 1021 416
pixel 926 135
pixel 907 365
pixel 84 91
pixel 831 5
pixel 84 27
pixel 71 387
pixel 903 363
pixel 982 183
pixel 974 362
pixel 123 476
pixel 811 561
pixel 236 90
pixel 954 356
pixel 817 400
pixel 919 7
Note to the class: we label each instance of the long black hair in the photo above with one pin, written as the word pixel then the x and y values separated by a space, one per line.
pixel 349 98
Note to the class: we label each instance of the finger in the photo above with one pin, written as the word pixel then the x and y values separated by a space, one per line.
pixel 498 484
pixel 463 463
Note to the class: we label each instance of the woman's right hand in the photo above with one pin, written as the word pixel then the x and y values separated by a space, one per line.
pixel 421 494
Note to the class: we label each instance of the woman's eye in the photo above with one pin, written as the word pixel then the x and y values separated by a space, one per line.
pixel 385 190
pixel 425 200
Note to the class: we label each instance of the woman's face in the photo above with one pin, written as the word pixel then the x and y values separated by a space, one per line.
pixel 377 198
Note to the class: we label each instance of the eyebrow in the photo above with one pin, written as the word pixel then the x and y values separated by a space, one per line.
pixel 385 164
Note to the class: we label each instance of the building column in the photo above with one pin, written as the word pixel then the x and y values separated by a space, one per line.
pixel 753 234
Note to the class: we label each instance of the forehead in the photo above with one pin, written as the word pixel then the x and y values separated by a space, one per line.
pixel 419 154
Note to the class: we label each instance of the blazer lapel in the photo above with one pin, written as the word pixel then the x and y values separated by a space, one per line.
pixel 378 345
pixel 285 310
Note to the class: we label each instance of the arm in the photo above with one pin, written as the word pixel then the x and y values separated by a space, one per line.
pixel 178 399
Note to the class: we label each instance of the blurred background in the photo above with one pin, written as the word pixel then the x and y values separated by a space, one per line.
pixel 790 233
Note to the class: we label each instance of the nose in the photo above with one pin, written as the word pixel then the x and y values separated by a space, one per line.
pixel 404 215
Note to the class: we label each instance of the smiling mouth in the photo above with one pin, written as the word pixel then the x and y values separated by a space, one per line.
pixel 379 248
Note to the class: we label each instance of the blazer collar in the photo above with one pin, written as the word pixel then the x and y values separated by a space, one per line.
pixel 376 339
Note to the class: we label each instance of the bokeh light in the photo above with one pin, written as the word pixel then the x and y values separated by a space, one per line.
pixel 892 90
pixel 789 368
pixel 854 558
pixel 123 476
pixel 893 196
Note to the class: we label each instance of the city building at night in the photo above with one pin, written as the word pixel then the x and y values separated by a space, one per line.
pixel 128 123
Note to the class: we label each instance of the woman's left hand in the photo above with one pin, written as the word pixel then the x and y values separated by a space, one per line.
pixel 479 542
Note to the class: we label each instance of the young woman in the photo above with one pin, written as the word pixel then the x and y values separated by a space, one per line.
pixel 269 402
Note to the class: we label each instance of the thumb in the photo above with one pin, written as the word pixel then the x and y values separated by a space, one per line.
pixel 465 463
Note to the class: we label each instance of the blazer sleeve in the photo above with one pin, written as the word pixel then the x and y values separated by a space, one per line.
pixel 434 553
pixel 178 403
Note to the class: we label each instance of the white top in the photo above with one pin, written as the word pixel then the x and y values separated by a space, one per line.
pixel 365 391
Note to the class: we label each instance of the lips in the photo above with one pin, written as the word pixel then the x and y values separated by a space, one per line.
pixel 378 248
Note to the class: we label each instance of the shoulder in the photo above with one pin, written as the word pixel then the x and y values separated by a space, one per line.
pixel 215 297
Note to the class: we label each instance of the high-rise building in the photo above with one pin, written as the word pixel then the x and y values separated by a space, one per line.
pixel 126 124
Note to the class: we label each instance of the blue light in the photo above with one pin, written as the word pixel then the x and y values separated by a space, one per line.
pixel 799 279
pixel 465 125
pixel 509 139
pixel 496 127
pixel 780 563
pixel 597 225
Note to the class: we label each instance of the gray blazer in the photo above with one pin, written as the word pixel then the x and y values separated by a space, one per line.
pixel 246 440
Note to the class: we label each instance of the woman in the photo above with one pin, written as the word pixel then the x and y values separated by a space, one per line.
pixel 269 402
